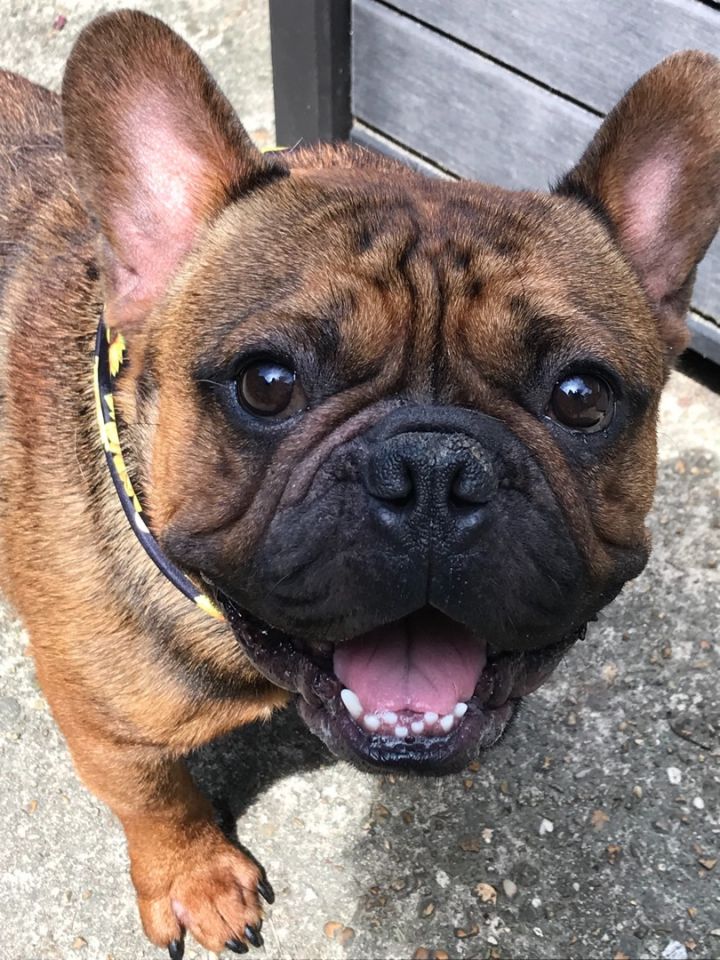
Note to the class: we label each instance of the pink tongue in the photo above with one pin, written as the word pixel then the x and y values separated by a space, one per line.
pixel 422 663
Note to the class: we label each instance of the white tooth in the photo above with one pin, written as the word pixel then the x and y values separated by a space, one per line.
pixel 447 722
pixel 389 718
pixel 460 710
pixel 352 702
pixel 417 726
pixel 401 732
pixel 371 722
pixel 431 717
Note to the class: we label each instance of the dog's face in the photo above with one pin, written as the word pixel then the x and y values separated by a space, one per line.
pixel 403 429
pixel 420 466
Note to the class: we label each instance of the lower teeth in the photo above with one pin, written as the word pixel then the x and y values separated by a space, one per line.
pixel 390 724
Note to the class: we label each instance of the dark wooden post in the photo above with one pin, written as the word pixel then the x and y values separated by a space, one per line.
pixel 311 69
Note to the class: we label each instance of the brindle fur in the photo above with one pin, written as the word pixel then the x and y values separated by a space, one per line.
pixel 450 293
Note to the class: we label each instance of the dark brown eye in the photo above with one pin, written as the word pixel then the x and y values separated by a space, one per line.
pixel 267 388
pixel 582 402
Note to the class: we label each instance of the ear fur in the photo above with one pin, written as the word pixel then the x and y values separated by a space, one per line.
pixel 156 151
pixel 653 171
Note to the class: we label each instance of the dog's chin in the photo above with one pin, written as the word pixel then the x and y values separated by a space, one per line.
pixel 421 693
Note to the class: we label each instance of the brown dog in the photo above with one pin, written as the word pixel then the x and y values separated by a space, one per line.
pixel 401 431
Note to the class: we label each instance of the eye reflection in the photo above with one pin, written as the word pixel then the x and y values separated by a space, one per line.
pixel 582 402
pixel 268 388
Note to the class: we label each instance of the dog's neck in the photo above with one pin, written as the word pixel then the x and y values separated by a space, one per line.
pixel 109 356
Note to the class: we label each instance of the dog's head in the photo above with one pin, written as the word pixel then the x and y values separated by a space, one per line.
pixel 402 428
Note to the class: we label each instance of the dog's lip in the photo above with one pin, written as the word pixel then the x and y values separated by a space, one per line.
pixel 479 729
pixel 306 669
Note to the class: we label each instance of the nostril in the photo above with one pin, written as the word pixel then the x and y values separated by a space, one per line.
pixel 465 503
pixel 390 480
pixel 400 501
pixel 470 488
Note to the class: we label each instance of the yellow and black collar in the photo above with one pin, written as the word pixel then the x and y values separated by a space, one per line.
pixel 109 355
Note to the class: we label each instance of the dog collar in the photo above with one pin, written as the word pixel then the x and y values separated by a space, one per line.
pixel 109 355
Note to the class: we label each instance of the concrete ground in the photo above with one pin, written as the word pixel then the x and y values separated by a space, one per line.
pixel 593 830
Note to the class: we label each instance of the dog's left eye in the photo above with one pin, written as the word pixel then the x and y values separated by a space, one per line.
pixel 267 388
pixel 582 402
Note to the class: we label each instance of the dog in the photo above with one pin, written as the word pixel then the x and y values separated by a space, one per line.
pixel 393 437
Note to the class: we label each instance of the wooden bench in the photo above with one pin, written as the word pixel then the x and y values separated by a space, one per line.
pixel 507 92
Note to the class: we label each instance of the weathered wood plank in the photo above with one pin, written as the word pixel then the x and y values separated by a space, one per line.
pixel 455 108
pixel 587 50
pixel 705 337
pixel 371 138
pixel 706 296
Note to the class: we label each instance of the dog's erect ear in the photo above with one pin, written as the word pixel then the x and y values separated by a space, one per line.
pixel 156 151
pixel 653 169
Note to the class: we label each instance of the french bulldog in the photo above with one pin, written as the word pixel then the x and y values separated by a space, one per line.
pixel 394 437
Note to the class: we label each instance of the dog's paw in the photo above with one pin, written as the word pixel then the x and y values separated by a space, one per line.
pixel 206 888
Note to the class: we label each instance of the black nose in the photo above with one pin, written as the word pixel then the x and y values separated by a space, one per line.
pixel 429 478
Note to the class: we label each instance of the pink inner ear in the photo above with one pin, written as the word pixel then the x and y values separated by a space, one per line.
pixel 164 203
pixel 646 224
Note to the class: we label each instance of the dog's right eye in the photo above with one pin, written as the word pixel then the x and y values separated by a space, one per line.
pixel 268 388
pixel 582 402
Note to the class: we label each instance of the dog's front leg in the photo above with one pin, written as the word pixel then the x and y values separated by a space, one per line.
pixel 187 875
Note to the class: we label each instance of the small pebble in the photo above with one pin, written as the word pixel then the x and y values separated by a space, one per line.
pixel 471 845
pixel 509 888
pixel 10 712
pixel 698 803
pixel 346 936
pixel 487 893
pixel 613 852
pixel 675 951
pixel 546 826
pixel 338 932
pixel 598 819
pixel 674 775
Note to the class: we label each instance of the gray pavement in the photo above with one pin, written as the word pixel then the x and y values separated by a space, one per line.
pixel 593 830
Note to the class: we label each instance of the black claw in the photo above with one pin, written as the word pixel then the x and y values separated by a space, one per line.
pixel 266 891
pixel 236 946
pixel 177 949
pixel 252 935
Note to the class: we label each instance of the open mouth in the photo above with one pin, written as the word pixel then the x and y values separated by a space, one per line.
pixel 421 692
